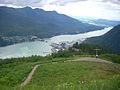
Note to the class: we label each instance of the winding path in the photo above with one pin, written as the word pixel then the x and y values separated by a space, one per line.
pixel 85 59
pixel 29 77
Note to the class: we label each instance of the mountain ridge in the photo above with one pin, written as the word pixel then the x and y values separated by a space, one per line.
pixel 21 24
pixel 28 21
pixel 110 39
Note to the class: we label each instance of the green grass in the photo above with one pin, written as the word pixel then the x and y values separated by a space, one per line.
pixel 59 76
pixel 73 75
pixel 14 71
pixel 111 57
pixel 13 74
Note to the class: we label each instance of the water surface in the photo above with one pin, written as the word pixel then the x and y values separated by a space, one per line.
pixel 43 48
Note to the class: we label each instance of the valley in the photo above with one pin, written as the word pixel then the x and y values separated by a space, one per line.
pixel 46 46
pixel 27 24
pixel 59 45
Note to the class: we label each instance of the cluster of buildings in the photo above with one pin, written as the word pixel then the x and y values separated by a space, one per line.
pixel 61 46
pixel 18 39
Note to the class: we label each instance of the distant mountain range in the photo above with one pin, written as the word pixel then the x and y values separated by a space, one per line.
pixel 106 22
pixel 110 40
pixel 43 24
pixel 98 21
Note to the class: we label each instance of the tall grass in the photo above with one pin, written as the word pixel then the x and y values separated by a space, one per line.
pixel 112 83
pixel 111 57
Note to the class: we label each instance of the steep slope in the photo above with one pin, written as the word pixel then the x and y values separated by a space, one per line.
pixel 110 39
pixel 28 21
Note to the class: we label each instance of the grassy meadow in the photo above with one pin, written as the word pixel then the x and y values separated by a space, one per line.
pixel 76 76
pixel 60 72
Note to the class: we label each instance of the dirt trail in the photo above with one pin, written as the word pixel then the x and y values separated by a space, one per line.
pixel 29 77
pixel 86 59
pixel 90 59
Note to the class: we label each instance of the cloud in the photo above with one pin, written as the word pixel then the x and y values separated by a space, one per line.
pixel 37 2
pixel 64 2
pixel 112 1
pixel 40 3
pixel 99 8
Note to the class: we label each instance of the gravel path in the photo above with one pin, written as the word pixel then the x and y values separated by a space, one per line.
pixel 90 59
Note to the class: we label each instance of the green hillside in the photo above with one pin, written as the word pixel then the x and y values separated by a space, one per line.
pixel 27 21
pixel 62 71
pixel 73 76
pixel 110 39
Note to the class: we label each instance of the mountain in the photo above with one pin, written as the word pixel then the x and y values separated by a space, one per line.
pixel 106 22
pixel 27 21
pixel 98 21
pixel 110 39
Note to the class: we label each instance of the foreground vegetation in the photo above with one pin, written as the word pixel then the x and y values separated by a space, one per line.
pixel 56 72
pixel 76 76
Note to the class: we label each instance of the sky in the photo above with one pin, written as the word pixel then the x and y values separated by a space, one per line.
pixel 106 9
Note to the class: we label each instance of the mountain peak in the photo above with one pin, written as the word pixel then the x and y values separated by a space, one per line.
pixel 27 7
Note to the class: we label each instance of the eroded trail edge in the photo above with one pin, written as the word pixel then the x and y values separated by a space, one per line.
pixel 29 77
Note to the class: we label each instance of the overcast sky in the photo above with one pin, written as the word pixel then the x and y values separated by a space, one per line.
pixel 108 9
